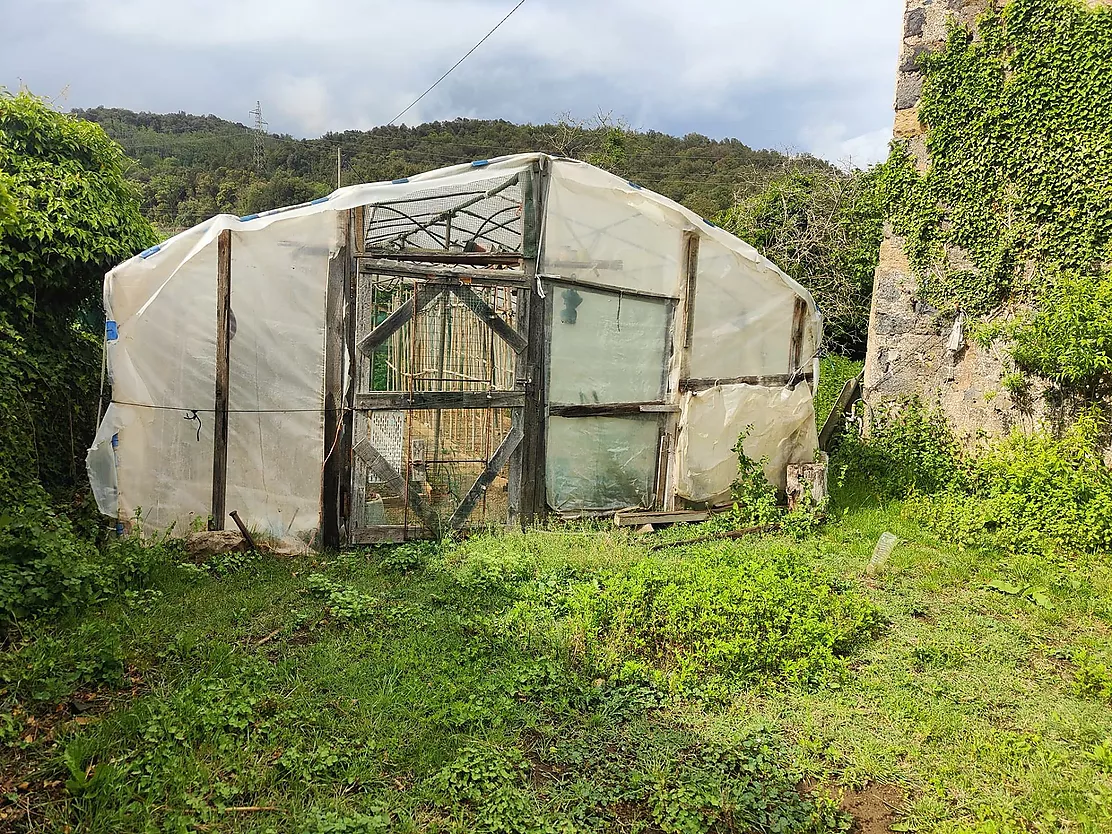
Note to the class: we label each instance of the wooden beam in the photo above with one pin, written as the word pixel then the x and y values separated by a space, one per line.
pixel 381 468
pixel 772 381
pixel 610 409
pixel 594 287
pixel 497 462
pixel 494 321
pixel 333 469
pixel 432 400
pixel 637 519
pixel 347 478
pixel 799 323
pixel 422 298
pixel 436 256
pixel 851 392
pixel 446 274
pixel 359 230
pixel 223 359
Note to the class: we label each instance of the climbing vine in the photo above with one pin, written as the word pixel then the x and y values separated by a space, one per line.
pixel 1016 206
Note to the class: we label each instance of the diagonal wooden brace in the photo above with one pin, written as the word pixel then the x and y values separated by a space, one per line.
pixel 381 468
pixel 422 298
pixel 498 461
pixel 495 322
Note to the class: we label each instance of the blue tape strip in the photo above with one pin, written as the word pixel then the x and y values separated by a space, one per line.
pixel 119 528
pixel 709 223
pixel 402 181
pixel 111 331
pixel 480 163
pixel 635 185
pixel 247 217
pixel 146 253
pixel 318 201
pixel 116 441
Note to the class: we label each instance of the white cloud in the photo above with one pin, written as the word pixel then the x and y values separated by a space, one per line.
pixel 304 99
pixel 832 141
pixel 771 74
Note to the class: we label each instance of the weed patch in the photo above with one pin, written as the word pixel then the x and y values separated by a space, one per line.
pixel 715 620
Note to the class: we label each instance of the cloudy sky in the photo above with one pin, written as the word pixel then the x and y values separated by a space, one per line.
pixel 804 75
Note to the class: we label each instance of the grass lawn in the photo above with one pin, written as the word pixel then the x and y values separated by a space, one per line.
pixel 513 683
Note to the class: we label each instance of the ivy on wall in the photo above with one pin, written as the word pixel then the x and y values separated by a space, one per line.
pixel 1016 206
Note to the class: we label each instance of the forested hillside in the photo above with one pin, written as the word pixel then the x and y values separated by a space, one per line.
pixel 191 167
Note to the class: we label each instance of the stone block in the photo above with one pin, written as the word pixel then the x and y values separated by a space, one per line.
pixel 907 124
pixel 909 89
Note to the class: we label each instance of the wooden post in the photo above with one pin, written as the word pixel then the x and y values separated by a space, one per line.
pixel 348 433
pixel 533 502
pixel 799 323
pixel 681 344
pixel 333 470
pixel 223 354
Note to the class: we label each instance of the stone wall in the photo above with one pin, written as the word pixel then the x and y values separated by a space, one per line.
pixel 911 349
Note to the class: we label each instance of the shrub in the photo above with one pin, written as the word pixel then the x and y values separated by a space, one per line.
pixel 1031 493
pixel 48 568
pixel 712 621
pixel 909 449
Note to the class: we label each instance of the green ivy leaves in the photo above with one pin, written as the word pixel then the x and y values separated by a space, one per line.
pixel 1019 120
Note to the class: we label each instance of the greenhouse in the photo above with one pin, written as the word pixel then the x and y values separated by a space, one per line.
pixel 492 343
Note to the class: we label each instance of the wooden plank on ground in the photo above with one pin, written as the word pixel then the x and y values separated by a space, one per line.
pixel 851 392
pixel 639 518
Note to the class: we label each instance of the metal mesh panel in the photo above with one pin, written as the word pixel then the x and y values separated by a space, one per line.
pixel 484 216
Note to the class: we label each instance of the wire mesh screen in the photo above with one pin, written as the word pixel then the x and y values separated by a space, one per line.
pixel 483 216
pixel 441 454
pixel 445 347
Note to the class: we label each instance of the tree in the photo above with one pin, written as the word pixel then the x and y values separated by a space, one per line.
pixel 71 216
pixel 823 226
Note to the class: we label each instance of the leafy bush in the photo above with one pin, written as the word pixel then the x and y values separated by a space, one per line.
pixel 744 787
pixel 346 604
pixel 909 449
pixel 48 568
pixel 1092 679
pixel 489 785
pixel 718 619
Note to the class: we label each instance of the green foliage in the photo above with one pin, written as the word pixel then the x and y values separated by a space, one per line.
pixel 344 603
pixel 1032 492
pixel 909 449
pixel 717 619
pixel 755 500
pixel 742 787
pixel 48 567
pixel 1068 339
pixel 1092 679
pixel 823 227
pixel 75 213
pixel 191 167
pixel 69 215
pixel 49 665
pixel 1019 122
pixel 834 372
pixel 488 784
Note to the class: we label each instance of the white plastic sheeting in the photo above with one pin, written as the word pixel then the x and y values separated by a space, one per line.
pixel 153 453
pixel 782 431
